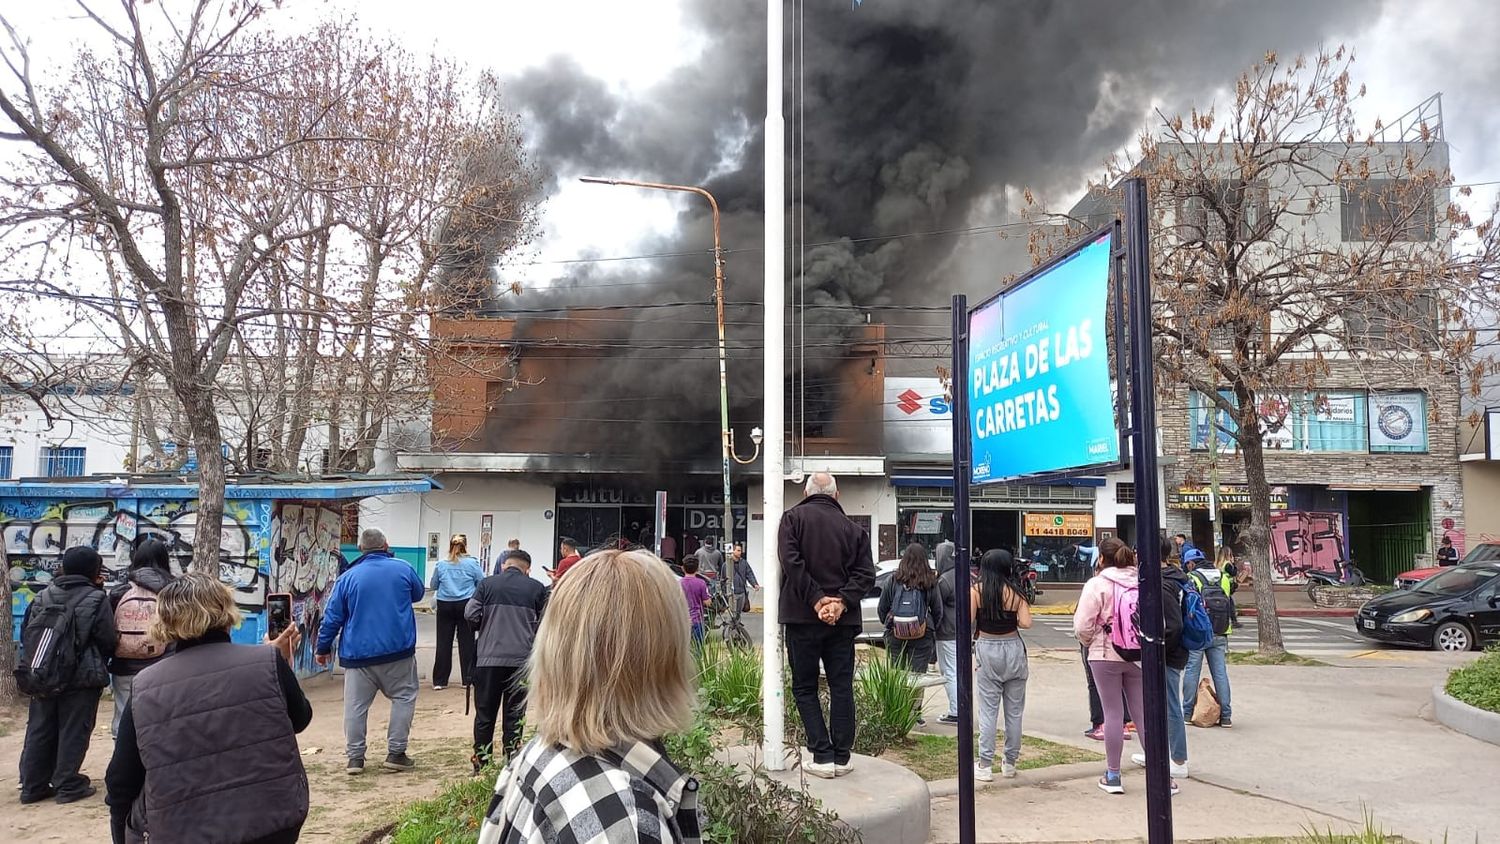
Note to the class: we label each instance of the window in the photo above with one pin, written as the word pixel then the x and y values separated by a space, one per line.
pixel 1124 493
pixel 1207 211
pixel 1398 422
pixel 348 461
pixel 1379 208
pixel 62 462
pixel 1332 421
pixel 7 453
pixel 1393 321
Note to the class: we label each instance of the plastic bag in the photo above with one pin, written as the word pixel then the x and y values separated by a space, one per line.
pixel 1207 710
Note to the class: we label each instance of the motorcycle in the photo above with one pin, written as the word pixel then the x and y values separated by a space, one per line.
pixel 1348 574
pixel 1028 584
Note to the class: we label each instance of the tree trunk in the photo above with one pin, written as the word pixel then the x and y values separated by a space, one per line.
pixel 203 422
pixel 8 691
pixel 1258 537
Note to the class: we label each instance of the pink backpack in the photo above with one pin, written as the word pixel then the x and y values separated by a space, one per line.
pixel 133 617
pixel 1124 624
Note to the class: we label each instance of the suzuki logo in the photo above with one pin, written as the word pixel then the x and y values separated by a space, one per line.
pixel 910 402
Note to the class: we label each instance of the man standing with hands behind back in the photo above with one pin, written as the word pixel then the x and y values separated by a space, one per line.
pixel 826 569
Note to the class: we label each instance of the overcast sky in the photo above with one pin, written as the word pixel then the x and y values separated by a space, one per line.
pixel 1406 50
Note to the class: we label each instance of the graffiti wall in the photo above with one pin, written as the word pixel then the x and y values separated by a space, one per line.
pixel 305 562
pixel 35 531
pixel 1303 542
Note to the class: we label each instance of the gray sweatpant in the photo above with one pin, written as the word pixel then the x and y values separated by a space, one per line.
pixel 1001 676
pixel 398 682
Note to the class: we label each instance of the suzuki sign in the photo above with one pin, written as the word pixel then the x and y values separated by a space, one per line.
pixel 918 417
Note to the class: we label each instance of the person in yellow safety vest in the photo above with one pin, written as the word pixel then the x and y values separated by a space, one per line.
pixel 1218 589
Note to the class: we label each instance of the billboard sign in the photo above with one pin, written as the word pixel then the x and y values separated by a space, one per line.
pixel 1040 398
pixel 918 417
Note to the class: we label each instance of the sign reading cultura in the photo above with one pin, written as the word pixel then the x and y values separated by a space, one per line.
pixel 1230 498
pixel 1038 372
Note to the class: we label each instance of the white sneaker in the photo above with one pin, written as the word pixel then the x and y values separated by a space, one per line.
pixel 1177 770
pixel 1007 770
pixel 822 770
pixel 983 774
pixel 844 769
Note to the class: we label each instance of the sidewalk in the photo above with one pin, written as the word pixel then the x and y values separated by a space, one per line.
pixel 1289 762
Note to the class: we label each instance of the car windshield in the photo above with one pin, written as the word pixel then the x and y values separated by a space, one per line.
pixel 1485 552
pixel 1459 581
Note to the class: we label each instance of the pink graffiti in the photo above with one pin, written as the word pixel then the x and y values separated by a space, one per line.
pixel 1303 542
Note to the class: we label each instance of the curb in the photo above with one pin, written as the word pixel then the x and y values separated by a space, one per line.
pixel 1469 720
pixel 1036 776
pixel 1312 612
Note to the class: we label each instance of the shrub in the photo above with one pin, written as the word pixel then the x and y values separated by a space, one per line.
pixel 451 817
pixel 886 702
pixel 1478 684
pixel 729 679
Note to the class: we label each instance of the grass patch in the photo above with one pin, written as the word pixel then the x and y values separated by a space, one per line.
pixel 1256 658
pixel 1478 684
pixel 936 757
pixel 452 816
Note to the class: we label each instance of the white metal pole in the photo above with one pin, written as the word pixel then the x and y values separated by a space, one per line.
pixel 773 482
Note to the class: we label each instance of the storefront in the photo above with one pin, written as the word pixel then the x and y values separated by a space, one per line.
pixel 606 511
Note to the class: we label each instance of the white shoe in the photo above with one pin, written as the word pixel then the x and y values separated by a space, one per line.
pixel 844 769
pixel 983 774
pixel 1177 770
pixel 822 770
pixel 1007 770
pixel 438 688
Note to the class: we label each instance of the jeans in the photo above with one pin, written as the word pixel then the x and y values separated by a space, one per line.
pixel 398 682
pixel 1176 724
pixel 1113 678
pixel 698 633
pixel 451 621
pixel 498 690
pixel 57 740
pixel 1217 668
pixel 120 685
pixel 808 645
pixel 1001 676
pixel 947 656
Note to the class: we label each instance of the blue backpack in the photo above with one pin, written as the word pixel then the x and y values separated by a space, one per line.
pixel 1197 627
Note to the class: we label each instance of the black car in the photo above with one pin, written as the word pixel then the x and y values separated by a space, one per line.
pixel 1457 610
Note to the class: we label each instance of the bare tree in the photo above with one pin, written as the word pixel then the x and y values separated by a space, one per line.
pixel 1288 243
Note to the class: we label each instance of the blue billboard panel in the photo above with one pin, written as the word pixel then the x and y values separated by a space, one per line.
pixel 1038 372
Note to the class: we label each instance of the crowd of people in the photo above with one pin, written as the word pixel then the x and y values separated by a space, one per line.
pixel 549 657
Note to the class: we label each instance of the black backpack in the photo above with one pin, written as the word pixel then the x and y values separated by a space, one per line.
pixel 908 612
pixel 1220 606
pixel 47 664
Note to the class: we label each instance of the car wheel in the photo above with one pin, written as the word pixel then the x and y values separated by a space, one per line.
pixel 1452 637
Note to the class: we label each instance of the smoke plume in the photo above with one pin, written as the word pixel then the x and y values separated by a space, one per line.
pixel 917 117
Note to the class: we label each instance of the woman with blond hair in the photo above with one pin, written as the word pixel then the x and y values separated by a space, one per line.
pixel 611 674
pixel 455 580
pixel 207 749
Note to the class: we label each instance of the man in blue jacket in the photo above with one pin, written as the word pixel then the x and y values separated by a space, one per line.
pixel 371 604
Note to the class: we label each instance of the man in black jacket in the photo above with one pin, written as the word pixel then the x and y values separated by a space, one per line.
pixel 506 610
pixel 58 726
pixel 826 570
pixel 1173 581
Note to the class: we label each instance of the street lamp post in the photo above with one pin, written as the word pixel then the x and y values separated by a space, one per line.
pixel 726 437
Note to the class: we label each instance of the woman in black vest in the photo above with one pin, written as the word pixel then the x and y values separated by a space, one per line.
pixel 210 701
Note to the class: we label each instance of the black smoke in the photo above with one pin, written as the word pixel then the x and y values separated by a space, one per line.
pixel 918 117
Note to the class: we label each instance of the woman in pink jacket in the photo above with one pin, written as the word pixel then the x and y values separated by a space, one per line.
pixel 1113 672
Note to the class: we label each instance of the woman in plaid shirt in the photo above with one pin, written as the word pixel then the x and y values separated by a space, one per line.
pixel 611 674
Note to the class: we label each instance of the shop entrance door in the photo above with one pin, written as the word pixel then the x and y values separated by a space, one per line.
pixel 997 529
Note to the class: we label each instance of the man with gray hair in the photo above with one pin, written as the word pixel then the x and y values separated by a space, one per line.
pixel 826 569
pixel 371 605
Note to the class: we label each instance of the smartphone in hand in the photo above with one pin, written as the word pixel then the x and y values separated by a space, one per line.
pixel 278 613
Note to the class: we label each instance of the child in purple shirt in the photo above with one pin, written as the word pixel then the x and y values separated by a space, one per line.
pixel 695 590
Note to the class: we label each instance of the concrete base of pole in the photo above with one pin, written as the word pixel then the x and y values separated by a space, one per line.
pixel 887 803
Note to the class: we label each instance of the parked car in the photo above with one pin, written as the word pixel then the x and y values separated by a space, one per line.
pixel 1455 610
pixel 873 630
pixel 1484 552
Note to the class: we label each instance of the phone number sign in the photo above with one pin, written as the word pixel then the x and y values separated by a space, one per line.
pixel 1059 524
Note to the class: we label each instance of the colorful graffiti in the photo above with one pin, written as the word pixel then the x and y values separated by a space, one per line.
pixel 1303 542
pixel 35 532
pixel 305 562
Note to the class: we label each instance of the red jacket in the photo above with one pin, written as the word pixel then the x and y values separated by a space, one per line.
pixel 563 565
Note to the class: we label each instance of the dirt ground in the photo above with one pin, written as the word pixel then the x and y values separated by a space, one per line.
pixel 344 808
